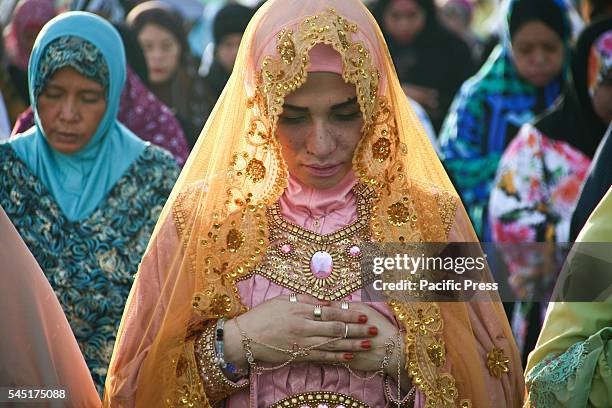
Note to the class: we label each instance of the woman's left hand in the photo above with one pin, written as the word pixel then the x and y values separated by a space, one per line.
pixel 370 359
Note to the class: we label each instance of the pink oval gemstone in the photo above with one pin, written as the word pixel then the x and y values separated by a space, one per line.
pixel 321 264
pixel 340 406
pixel 355 251
pixel 286 248
pixel 322 406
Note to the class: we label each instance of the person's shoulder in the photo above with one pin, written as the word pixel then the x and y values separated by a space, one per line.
pixel 185 206
pixel 158 156
pixel 14 174
pixel 7 155
pixel 451 40
pixel 157 168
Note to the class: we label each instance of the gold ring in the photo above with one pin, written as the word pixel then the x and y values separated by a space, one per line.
pixel 344 305
pixel 293 297
pixel 345 331
pixel 317 312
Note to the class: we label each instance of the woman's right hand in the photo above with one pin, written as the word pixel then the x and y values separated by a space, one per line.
pixel 283 324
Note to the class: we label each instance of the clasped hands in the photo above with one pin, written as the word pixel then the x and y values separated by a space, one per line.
pixel 288 325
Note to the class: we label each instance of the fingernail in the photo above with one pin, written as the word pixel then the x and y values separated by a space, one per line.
pixel 366 344
pixel 363 319
pixel 373 331
pixel 348 356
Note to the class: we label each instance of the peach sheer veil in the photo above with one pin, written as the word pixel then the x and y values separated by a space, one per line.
pixel 37 347
pixel 213 230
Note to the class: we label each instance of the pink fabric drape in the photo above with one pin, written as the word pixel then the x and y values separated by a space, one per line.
pixel 37 347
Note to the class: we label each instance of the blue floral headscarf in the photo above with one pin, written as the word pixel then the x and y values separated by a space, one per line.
pixel 80 181
pixel 73 52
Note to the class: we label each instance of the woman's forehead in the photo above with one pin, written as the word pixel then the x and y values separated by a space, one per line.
pixel 70 77
pixel 156 31
pixel 322 88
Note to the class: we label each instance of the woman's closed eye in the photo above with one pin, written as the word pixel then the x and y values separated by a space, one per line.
pixel 292 119
pixel 91 97
pixel 53 93
pixel 347 116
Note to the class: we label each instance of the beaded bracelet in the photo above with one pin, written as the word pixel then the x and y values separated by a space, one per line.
pixel 216 385
pixel 220 351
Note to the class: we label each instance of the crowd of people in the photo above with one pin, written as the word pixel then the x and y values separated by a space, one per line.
pixel 195 182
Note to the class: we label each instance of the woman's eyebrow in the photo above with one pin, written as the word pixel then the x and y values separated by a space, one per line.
pixel 91 90
pixel 51 84
pixel 346 104
pixel 295 108
pixel 341 105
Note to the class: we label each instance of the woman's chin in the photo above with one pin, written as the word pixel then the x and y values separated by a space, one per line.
pixel 66 147
pixel 159 77
pixel 321 183
pixel 540 81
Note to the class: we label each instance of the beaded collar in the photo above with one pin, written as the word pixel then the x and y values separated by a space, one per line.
pixel 326 266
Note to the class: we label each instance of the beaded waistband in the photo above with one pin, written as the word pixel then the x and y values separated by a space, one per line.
pixel 320 399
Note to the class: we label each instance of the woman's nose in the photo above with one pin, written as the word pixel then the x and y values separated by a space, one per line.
pixel 69 111
pixel 321 142
pixel 539 57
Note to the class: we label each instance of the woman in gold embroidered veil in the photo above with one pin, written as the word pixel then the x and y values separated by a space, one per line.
pixel 311 151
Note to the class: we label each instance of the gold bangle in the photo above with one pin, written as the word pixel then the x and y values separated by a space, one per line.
pixel 216 385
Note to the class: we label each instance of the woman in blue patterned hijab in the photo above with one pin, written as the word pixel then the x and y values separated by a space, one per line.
pixel 80 173
pixel 83 191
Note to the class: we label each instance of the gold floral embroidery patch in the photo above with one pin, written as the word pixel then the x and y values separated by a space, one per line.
pixel 381 149
pixel 220 305
pixel 255 170
pixel 235 239
pixel 398 214
pixel 436 353
pixel 497 362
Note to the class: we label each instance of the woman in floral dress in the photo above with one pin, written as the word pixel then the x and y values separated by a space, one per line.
pixel 542 171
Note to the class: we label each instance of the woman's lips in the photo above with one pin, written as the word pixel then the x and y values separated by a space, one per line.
pixel 323 171
pixel 67 137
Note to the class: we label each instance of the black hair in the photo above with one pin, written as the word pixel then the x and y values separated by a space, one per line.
pixel 160 14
